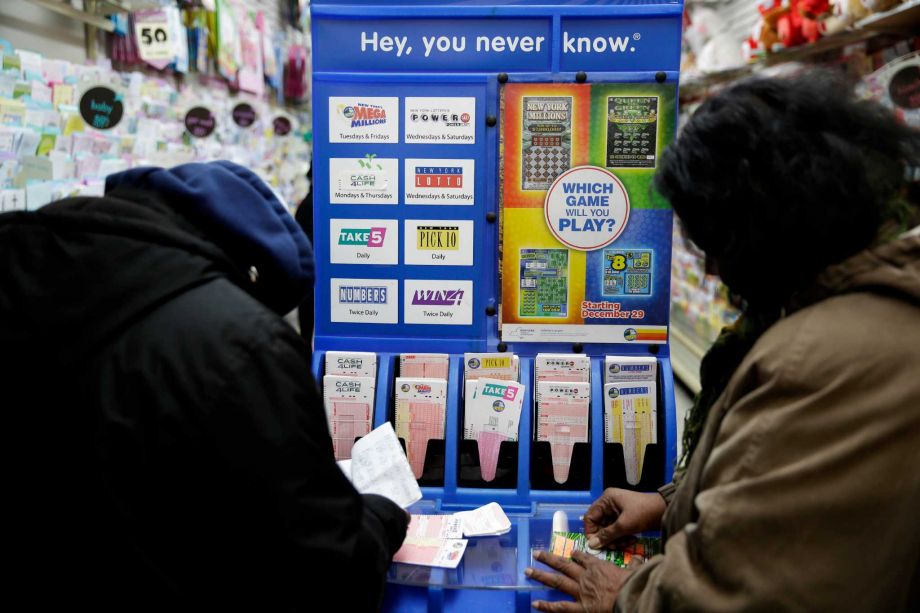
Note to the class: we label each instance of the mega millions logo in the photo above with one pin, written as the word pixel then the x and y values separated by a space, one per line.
pixel 437 177
pixel 363 294
pixel 362 237
pixel 437 238
pixel 361 114
pixel 437 297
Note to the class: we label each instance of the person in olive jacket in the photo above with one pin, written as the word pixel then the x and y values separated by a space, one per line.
pixel 168 447
pixel 799 489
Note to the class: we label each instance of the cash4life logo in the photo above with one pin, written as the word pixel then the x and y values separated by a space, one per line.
pixel 362 114
pixel 362 237
pixel 438 177
pixel 364 294
pixel 437 297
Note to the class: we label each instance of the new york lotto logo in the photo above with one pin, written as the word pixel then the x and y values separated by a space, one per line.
pixel 450 177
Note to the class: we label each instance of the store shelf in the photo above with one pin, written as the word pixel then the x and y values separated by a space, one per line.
pixel 904 18
pixel 687 350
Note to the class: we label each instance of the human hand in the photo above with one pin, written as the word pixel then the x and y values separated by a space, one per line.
pixel 593 583
pixel 618 513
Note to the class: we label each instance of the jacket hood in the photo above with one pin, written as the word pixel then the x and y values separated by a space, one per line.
pixel 79 270
pixel 892 268
pixel 241 214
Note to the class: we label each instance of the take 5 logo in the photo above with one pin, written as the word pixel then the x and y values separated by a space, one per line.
pixel 366 237
pixel 364 241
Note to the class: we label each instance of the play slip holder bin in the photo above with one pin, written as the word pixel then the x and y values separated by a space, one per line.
pixel 532 470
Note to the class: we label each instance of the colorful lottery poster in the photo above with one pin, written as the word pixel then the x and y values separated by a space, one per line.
pixel 585 239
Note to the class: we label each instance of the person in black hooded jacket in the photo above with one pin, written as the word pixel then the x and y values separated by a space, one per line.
pixel 166 446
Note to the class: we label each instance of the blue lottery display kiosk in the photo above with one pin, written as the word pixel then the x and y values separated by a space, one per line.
pixel 460 116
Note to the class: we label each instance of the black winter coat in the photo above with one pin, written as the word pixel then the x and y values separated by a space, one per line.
pixel 167 449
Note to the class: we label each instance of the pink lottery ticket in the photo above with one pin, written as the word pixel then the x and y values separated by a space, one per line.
pixel 489 445
pixel 349 420
pixel 349 404
pixel 426 421
pixel 563 422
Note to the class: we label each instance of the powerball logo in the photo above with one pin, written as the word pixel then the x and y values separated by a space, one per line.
pixel 363 294
pixel 431 297
pixel 439 176
pixel 362 237
pixel 361 114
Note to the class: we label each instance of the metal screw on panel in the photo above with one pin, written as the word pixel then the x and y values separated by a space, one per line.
pixel 653 349
pixel 491 121
pixel 503 77
pixel 502 347
pixel 581 76
pixel 661 76
pixel 490 310
pixel 491 217
pixel 577 348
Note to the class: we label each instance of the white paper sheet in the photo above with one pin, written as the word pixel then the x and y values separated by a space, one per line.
pixel 489 520
pixel 379 466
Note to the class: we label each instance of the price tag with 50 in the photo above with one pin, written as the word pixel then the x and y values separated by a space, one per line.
pixel 153 38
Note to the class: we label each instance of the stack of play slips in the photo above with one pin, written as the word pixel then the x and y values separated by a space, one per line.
pixel 424 365
pixel 492 415
pixel 502 366
pixel 421 410
pixel 562 419
pixel 348 396
pixel 563 400
pixel 631 408
pixel 572 368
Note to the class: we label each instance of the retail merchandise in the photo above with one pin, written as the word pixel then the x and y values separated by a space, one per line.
pixel 64 127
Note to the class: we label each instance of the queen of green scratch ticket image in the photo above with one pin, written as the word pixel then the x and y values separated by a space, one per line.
pixel 627 272
pixel 632 131
pixel 546 140
pixel 544 283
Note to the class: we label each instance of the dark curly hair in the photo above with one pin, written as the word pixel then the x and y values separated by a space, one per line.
pixel 775 180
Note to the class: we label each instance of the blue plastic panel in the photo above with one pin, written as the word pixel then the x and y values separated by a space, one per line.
pixel 343 69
